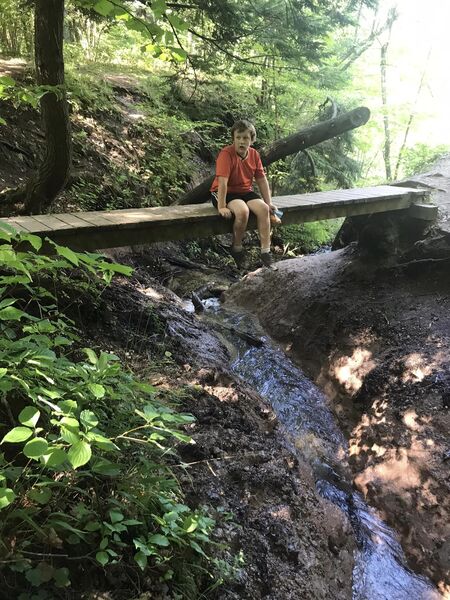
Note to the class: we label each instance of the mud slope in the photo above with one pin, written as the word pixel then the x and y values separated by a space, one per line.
pixel 374 334
pixel 293 544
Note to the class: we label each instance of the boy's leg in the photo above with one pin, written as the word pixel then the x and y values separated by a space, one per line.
pixel 241 212
pixel 261 210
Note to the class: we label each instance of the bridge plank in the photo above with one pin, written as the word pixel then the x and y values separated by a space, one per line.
pixel 73 220
pixel 29 224
pixel 51 221
pixel 94 218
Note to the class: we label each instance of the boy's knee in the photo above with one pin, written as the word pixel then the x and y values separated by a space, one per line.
pixel 264 210
pixel 241 218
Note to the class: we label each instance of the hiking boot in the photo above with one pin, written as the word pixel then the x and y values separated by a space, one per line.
pixel 266 259
pixel 238 256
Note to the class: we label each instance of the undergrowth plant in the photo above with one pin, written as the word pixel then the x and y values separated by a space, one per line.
pixel 85 477
pixel 307 237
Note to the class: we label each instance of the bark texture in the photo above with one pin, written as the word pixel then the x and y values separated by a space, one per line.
pixel 296 142
pixel 53 173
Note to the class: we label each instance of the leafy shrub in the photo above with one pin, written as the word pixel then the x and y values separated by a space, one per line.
pixel 83 478
pixel 308 237
pixel 421 157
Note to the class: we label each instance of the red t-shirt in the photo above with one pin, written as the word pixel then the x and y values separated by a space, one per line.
pixel 240 171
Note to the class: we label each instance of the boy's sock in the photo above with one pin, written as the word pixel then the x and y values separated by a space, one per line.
pixel 265 250
pixel 237 248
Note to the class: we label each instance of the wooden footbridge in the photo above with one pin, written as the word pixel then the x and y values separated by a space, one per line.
pixel 114 228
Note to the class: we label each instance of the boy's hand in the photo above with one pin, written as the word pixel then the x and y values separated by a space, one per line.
pixel 225 213
pixel 272 208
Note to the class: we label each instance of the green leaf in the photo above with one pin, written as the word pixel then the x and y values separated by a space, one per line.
pixel 104 7
pixel 18 434
pixel 106 467
pixel 69 436
pixel 159 7
pixel 97 390
pixel 34 240
pixel 61 577
pixel 34 577
pixel 11 314
pixel 7 81
pixel 132 522
pixel 79 454
pixel 9 229
pixel 116 516
pixel 179 54
pixel 35 448
pixel 182 437
pixel 92 526
pixel 101 441
pixel 141 559
pixel 2 121
pixel 122 269
pixel 7 302
pixel 88 419
pixel 92 357
pixel 41 496
pixel 178 24
pixel 102 558
pixel 54 458
pixel 6 497
pixel 196 547
pixel 104 543
pixel 68 407
pixel 70 423
pixel 61 524
pixel 159 540
pixel 29 416
pixel 190 524
pixel 69 254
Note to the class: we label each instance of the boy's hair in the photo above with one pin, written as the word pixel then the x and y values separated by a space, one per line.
pixel 242 125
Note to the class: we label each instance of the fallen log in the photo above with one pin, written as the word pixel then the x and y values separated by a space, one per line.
pixel 305 138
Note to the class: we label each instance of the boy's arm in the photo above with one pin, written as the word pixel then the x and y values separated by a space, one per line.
pixel 221 198
pixel 264 189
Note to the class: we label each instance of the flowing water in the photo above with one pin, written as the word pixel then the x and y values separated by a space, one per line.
pixel 380 571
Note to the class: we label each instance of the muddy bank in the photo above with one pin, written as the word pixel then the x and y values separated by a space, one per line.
pixel 375 338
pixel 292 543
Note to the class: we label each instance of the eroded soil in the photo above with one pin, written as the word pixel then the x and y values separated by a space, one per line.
pixel 374 334
pixel 293 543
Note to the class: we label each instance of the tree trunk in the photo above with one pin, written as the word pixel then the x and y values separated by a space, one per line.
pixel 411 116
pixel 45 185
pixel 387 133
pixel 55 168
pixel 294 143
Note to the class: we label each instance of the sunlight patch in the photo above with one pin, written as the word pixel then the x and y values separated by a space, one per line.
pixel 351 370
pixel 416 368
pixel 398 472
pixel 152 293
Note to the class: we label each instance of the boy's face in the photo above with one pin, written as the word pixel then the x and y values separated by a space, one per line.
pixel 242 142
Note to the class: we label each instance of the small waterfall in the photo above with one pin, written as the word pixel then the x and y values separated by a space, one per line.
pixel 380 571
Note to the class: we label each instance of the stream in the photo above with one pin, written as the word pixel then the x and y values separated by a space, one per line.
pixel 380 571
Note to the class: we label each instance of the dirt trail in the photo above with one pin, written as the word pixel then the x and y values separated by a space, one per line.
pixel 374 335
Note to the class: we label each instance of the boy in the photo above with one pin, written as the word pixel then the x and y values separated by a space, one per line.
pixel 232 190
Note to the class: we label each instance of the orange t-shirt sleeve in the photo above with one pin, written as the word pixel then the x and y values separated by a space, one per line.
pixel 259 171
pixel 223 165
